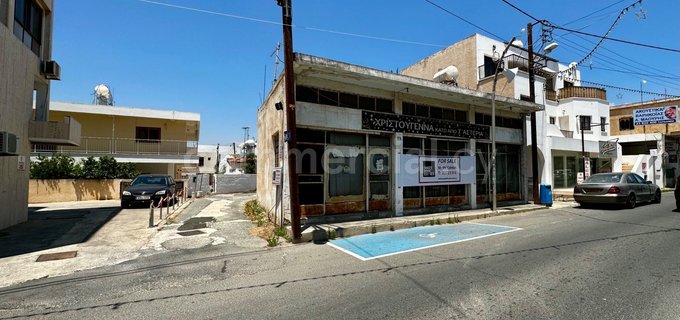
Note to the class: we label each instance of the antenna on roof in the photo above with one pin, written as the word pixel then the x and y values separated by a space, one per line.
pixel 276 62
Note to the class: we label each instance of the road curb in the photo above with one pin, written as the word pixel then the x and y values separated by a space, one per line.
pixel 354 228
pixel 175 213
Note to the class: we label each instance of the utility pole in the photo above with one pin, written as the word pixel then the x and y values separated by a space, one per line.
pixel 532 98
pixel 287 16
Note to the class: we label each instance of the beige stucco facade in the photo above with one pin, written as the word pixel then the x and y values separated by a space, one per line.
pixel 617 113
pixel 113 131
pixel 62 190
pixel 20 75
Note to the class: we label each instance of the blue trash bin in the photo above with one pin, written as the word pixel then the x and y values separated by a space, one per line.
pixel 546 196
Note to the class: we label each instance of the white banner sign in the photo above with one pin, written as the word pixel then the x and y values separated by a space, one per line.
pixel 417 170
pixel 667 114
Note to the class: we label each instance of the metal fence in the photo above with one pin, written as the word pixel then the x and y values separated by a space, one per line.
pixel 103 146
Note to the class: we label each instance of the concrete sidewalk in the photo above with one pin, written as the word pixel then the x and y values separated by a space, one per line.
pixel 353 228
pixel 99 231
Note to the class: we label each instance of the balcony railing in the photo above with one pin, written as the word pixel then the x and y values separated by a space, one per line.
pixel 551 95
pixel 583 92
pixel 122 146
pixel 513 61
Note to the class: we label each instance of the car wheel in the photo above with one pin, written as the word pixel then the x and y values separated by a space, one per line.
pixel 630 202
pixel 657 196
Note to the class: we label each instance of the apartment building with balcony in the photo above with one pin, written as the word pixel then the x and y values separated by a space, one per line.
pixel 26 69
pixel 647 148
pixel 566 103
pixel 157 141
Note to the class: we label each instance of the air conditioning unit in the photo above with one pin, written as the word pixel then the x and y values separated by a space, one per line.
pixel 8 144
pixel 51 70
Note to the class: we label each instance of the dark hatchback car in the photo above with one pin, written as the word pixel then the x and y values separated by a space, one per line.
pixel 146 188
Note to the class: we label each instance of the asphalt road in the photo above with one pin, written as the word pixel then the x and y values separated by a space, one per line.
pixel 565 264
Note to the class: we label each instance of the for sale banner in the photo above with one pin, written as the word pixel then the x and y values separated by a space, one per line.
pixel 415 170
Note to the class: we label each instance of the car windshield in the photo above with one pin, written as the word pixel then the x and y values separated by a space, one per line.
pixel 605 178
pixel 157 180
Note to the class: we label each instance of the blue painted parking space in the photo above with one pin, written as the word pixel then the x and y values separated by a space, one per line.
pixel 371 246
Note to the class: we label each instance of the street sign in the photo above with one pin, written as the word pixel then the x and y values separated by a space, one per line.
pixel 587 167
pixel 579 177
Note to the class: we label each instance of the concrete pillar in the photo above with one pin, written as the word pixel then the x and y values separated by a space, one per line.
pixel 396 151
pixel 398 191
pixel 471 189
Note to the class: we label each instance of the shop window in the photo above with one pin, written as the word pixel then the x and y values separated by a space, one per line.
pixel 436 191
pixel 383 105
pixel 148 134
pixel 449 114
pixel 436 113
pixel 378 141
pixel 348 100
pixel 346 175
pixel 312 136
pixel 329 98
pixel 411 192
pixel 307 94
pixel 408 109
pixel 28 20
pixel 626 124
pixel 346 139
pixel 412 145
pixel 422 111
pixel 366 103
pixel 379 174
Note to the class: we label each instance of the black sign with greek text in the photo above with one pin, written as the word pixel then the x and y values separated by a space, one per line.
pixel 407 124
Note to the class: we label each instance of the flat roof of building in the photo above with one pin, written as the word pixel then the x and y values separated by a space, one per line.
pixel 124 111
pixel 354 74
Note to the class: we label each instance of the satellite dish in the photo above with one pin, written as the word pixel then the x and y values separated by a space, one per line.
pixel 518 43
pixel 447 75
pixel 103 95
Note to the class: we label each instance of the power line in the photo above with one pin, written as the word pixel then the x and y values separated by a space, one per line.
pixel 590 34
pixel 608 61
pixel 592 13
pixel 464 20
pixel 624 89
pixel 520 10
pixel 617 40
pixel 599 43
pixel 637 73
pixel 294 26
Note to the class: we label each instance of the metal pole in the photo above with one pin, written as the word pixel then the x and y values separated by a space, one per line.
pixel 287 16
pixel 583 146
pixel 493 128
pixel 532 98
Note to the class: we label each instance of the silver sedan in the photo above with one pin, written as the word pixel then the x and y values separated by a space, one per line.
pixel 616 188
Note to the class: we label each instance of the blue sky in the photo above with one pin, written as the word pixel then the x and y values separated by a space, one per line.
pixel 155 56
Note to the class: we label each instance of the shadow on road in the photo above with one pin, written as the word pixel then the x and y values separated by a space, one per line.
pixel 46 229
